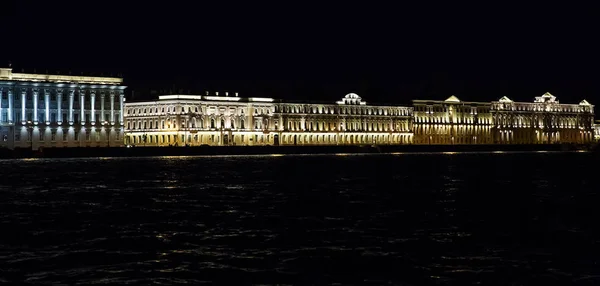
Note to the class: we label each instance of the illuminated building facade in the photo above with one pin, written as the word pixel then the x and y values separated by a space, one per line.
pixel 452 122
pixel 179 120
pixel 544 121
pixel 597 130
pixel 41 110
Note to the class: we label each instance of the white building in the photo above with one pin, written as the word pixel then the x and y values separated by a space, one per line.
pixel 232 120
pixel 42 111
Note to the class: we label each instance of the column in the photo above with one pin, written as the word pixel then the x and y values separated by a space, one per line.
pixel 121 102
pixel 112 107
pixel 23 94
pixel 92 102
pixel 82 106
pixel 47 103
pixel 102 100
pixel 58 105
pixel 71 96
pixel 35 105
pixel 10 106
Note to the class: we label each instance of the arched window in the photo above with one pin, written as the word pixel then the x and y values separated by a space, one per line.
pixel 242 123
pixel 212 123
pixel 232 124
pixel 222 123
pixel 128 125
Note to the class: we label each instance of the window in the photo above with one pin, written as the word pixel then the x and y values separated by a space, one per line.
pixel 76 135
pixel 29 136
pixel 29 116
pixel 4 96
pixel 42 137
pixel 87 135
pixel 97 137
pixel 97 117
pixel 76 119
pixel 53 97
pixel 65 136
pixel 87 118
pixel 64 115
pixel 212 123
pixel 53 117
pixel 242 124
pixel 17 137
pixel 53 136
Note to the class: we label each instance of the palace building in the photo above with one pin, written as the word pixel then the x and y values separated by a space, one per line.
pixel 181 120
pixel 543 121
pixel 42 110
pixel 452 122
pixel 232 120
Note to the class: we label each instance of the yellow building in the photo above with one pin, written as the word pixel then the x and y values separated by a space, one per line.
pixel 544 121
pixel 232 120
pixel 452 121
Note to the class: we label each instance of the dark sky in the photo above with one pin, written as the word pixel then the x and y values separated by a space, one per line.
pixel 392 53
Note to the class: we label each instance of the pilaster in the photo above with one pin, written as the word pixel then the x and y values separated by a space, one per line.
pixel 23 95
pixel 36 94
pixel 82 106
pixel 112 107
pixel 59 93
pixel 71 97
pixel 47 105
pixel 102 100
pixel 92 103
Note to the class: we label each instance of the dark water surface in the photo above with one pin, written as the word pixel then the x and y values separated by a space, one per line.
pixel 408 219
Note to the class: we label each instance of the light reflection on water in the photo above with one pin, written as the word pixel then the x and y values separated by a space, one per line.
pixel 301 219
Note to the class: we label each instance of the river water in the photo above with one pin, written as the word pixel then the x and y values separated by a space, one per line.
pixel 396 219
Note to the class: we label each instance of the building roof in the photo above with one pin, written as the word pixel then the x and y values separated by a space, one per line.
pixel 7 74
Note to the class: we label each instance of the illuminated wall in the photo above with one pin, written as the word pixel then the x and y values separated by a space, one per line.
pixel 231 120
pixel 597 130
pixel 45 111
pixel 544 121
pixel 452 122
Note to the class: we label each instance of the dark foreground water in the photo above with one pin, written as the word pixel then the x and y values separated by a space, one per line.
pixel 408 219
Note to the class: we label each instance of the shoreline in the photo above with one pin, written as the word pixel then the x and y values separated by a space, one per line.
pixel 80 152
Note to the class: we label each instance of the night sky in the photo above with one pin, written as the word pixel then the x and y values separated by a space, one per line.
pixel 390 54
